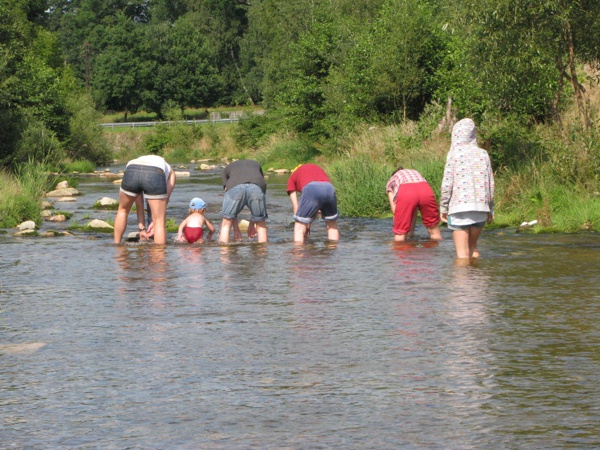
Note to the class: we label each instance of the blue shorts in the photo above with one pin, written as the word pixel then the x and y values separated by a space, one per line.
pixel 247 194
pixel 317 196
pixel 147 180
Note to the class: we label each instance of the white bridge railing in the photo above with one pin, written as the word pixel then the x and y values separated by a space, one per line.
pixel 215 117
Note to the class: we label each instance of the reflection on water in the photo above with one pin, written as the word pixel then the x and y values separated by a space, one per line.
pixel 362 343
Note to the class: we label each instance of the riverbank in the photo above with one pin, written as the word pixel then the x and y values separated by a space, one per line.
pixel 540 176
pixel 544 173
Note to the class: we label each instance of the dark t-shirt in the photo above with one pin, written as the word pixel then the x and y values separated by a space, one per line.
pixel 305 174
pixel 243 171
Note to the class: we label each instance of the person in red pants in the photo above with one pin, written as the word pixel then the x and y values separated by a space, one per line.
pixel 408 192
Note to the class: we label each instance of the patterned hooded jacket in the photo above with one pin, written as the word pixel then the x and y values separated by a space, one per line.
pixel 468 183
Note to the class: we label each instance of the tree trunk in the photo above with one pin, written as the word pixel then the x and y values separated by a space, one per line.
pixel 559 93
pixel 241 78
pixel 574 81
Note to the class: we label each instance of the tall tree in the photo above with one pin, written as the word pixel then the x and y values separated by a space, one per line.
pixel 119 68
pixel 15 33
pixel 81 25
pixel 520 53
pixel 223 23
pixel 180 67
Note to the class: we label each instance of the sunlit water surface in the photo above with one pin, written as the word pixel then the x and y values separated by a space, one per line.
pixel 360 344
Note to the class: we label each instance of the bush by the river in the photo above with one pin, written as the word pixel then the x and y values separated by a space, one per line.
pixel 21 193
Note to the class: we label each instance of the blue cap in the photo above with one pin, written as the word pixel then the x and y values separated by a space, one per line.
pixel 197 203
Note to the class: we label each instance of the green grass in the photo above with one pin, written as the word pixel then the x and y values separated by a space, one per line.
pixel 81 166
pixel 21 195
pixel 360 186
pixel 287 154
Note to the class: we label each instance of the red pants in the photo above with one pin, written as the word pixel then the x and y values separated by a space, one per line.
pixel 409 198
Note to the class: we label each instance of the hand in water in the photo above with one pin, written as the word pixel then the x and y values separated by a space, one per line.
pixel 251 230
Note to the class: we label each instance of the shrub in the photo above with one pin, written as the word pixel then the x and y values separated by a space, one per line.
pixel 574 157
pixel 287 153
pixel 155 143
pixel 252 131
pixel 360 186
pixel 22 194
pixel 509 143
pixel 38 144
pixel 86 138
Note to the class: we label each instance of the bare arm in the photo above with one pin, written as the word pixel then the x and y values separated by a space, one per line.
pixel 392 202
pixel 181 228
pixel 139 209
pixel 209 225
pixel 294 199
pixel 171 183
pixel 237 234
pixel 447 185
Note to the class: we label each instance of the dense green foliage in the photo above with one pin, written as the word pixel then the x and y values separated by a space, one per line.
pixel 45 115
pixel 320 67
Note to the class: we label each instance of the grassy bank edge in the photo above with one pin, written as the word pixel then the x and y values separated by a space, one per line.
pixel 359 168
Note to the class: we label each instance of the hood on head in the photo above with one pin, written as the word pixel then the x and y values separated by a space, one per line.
pixel 463 133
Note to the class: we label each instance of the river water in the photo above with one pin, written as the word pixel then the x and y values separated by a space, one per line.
pixel 358 344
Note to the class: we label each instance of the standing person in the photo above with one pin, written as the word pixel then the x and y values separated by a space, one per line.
pixel 192 228
pixel 318 194
pixel 408 191
pixel 467 196
pixel 151 177
pixel 245 185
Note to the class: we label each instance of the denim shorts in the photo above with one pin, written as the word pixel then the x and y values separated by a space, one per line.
pixel 247 194
pixel 317 196
pixel 147 180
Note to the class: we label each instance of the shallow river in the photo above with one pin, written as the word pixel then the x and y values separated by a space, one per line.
pixel 359 344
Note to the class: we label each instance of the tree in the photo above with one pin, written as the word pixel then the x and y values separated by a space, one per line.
pixel 520 53
pixel 84 21
pixel 179 67
pixel 223 24
pixel 14 39
pixel 118 73
pixel 387 71
pixel 30 88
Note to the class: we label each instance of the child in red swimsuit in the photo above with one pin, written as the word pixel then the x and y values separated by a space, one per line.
pixel 192 228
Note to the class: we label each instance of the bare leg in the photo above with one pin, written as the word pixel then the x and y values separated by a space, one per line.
pixel 300 231
pixel 465 242
pixel 333 233
pixel 474 233
pixel 461 243
pixel 158 207
pixel 261 231
pixel 225 229
pixel 435 233
pixel 125 204
pixel 400 237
